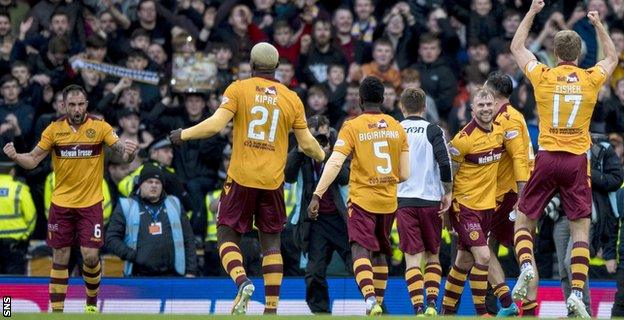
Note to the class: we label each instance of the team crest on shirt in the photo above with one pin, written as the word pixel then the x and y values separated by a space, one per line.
pixel 572 78
pixel 90 133
pixel 474 235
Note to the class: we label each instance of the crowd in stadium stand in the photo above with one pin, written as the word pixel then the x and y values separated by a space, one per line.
pixel 326 47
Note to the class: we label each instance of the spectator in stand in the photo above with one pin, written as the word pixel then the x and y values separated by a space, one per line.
pixel 91 81
pixel 52 65
pixel 511 21
pixel 617 35
pixel 17 11
pixel 243 71
pixel 436 75
pixel 157 54
pixel 382 66
pixel 16 117
pixel 7 39
pixel 43 18
pixel 151 232
pixel 355 50
pixel 613 108
pixel 239 32
pixel 317 100
pixel 401 31
pixel 366 24
pixel 287 42
pixel 285 74
pixel 138 60
pixel 351 107
pixel 410 78
pixel 593 52
pixel 116 40
pixel 96 48
pixel 130 128
pixel 223 60
pixel 140 39
pixel 478 58
pixel 158 29
pixel 31 91
pixel 441 25
pixel 390 106
pixel 336 88
pixel 507 65
pixel 318 53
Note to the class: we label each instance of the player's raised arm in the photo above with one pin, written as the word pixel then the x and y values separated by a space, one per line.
pixel 204 129
pixel 518 49
pixel 610 60
pixel 309 145
pixel 25 160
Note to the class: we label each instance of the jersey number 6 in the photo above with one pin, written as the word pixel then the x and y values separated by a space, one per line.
pixel 264 116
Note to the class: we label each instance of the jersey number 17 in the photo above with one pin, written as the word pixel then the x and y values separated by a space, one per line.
pixel 576 98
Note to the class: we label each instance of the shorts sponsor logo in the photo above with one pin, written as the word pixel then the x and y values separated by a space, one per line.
pixel 474 235
pixel 53 227
pixel 96 239
pixel 472 226
pixel 90 133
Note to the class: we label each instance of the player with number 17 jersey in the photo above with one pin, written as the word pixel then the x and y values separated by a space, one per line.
pixel 565 96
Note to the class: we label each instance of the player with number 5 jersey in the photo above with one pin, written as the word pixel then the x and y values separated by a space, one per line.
pixel 378 145
pixel 565 97
pixel 263 112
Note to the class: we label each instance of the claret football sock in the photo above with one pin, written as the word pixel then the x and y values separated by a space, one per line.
pixel 453 289
pixel 59 276
pixel 272 272
pixel 478 285
pixel 523 244
pixel 232 261
pixel 414 280
pixel 380 281
pixel 579 264
pixel 363 271
pixel 92 277
pixel 502 292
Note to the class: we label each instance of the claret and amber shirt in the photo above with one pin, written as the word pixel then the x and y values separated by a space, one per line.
pixel 375 141
pixel 77 160
pixel 518 158
pixel 478 152
pixel 565 96
pixel 264 113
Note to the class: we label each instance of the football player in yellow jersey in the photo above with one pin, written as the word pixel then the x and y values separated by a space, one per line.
pixel 475 153
pixel 565 97
pixel 513 172
pixel 380 153
pixel 76 211
pixel 264 112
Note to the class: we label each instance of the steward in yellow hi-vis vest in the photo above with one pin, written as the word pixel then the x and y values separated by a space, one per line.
pixel 17 221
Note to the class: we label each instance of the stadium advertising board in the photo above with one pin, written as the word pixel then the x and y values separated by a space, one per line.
pixel 214 296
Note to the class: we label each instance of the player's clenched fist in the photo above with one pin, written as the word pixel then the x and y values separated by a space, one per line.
pixel 537 6
pixel 130 147
pixel 176 136
pixel 9 150
pixel 594 17
pixel 313 207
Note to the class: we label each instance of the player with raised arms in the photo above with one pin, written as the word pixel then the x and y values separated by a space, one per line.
pixel 378 145
pixel 565 96
pixel 264 112
pixel 76 216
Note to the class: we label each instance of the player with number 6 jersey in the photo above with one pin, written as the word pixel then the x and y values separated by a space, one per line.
pixel 263 112
pixel 76 142
pixel 565 97
pixel 378 145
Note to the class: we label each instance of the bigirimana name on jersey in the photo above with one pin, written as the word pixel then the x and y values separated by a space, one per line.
pixel 379 135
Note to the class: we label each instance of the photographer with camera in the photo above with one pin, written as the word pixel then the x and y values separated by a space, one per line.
pixel 328 233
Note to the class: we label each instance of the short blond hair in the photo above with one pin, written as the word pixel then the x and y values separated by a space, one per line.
pixel 567 45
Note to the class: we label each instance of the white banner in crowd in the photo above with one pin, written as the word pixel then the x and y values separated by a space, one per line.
pixel 149 77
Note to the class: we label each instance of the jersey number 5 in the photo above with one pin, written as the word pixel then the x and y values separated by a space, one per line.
pixel 264 117
pixel 384 156
pixel 576 98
